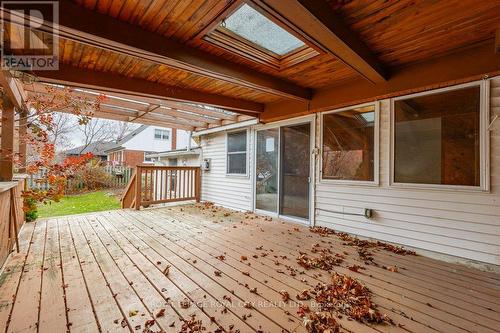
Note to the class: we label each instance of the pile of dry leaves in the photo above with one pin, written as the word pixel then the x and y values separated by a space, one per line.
pixel 192 325
pixel 365 244
pixel 349 297
pixel 326 260
pixel 321 322
pixel 343 296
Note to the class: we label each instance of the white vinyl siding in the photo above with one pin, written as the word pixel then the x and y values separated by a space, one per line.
pixel 453 222
pixel 226 190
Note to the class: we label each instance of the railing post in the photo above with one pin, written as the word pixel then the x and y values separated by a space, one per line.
pixel 7 142
pixel 198 184
pixel 138 190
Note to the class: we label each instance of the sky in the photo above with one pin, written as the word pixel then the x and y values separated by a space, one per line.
pixel 76 138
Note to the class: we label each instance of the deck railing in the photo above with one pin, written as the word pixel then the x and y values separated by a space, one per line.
pixel 11 216
pixel 152 184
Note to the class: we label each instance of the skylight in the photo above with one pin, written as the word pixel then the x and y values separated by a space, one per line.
pixel 255 27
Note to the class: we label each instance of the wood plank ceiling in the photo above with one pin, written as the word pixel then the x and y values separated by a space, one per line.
pixel 397 33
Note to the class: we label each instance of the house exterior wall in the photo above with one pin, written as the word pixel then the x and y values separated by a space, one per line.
pixel 453 222
pixel 115 157
pixel 190 160
pixel 183 140
pixel 146 141
pixel 133 158
pixel 230 191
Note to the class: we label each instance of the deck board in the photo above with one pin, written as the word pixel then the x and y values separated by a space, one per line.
pixel 104 272
pixel 178 285
pixel 25 312
pixel 389 297
pixel 80 313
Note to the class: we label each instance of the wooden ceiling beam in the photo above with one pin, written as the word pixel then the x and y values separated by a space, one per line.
pixel 165 117
pixel 214 114
pixel 112 114
pixel 41 88
pixel 92 28
pixel 147 121
pixel 203 111
pixel 467 65
pixel 316 21
pixel 113 83
pixel 188 116
pixel 144 104
pixel 13 89
pixel 142 113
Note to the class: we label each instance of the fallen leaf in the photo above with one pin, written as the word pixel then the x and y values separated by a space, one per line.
pixel 160 313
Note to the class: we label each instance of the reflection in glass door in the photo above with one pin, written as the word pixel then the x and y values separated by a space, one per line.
pixel 266 186
pixel 283 170
pixel 295 170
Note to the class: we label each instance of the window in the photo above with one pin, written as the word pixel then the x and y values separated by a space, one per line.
pixel 237 153
pixel 348 144
pixel 249 32
pixel 162 134
pixel 437 138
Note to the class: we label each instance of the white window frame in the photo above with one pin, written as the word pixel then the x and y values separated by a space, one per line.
pixel 376 149
pixel 162 131
pixel 484 142
pixel 241 175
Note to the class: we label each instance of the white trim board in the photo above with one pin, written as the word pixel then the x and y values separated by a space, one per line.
pixel 241 124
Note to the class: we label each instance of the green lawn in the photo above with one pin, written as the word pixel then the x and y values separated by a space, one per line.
pixel 81 203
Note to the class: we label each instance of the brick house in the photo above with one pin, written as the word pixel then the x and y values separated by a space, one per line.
pixel 131 150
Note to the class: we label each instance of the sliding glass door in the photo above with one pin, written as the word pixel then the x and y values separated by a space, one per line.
pixel 283 170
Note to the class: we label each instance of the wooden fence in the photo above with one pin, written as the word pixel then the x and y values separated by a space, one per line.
pixel 120 177
pixel 162 184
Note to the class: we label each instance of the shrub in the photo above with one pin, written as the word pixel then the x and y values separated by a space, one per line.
pixel 30 209
pixel 91 177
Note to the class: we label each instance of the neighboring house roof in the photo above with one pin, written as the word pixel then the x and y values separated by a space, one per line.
pixel 174 153
pixel 117 145
pixel 96 148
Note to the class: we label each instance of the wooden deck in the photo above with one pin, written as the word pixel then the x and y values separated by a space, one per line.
pixel 118 271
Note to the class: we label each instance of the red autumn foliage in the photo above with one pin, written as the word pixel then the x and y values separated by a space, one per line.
pixel 40 123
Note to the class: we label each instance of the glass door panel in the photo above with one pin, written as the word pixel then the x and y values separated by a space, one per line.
pixel 266 184
pixel 295 170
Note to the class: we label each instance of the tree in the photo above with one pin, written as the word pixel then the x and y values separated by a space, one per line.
pixel 123 128
pixel 45 128
pixel 95 131
pixel 63 126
